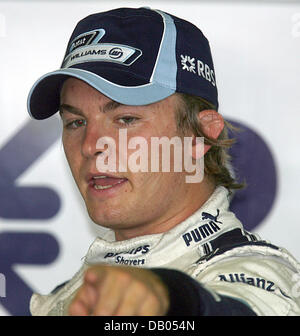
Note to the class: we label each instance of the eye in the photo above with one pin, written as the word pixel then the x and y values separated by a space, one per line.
pixel 74 124
pixel 127 120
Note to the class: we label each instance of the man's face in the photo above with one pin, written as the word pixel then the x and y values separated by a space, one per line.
pixel 130 203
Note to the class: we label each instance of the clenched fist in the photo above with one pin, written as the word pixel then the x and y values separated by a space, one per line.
pixel 120 291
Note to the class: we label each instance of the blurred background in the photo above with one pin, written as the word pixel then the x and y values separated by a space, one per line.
pixel 44 229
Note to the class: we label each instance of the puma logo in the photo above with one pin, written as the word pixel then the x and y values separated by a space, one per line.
pixel 206 215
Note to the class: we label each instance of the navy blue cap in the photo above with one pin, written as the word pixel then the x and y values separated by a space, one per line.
pixel 133 56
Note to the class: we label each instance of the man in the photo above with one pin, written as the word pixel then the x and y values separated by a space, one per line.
pixel 130 77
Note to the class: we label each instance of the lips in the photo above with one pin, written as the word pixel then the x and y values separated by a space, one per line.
pixel 104 181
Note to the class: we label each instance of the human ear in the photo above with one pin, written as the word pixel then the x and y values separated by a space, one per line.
pixel 212 124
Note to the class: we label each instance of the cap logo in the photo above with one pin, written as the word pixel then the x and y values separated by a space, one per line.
pixel 202 69
pixel 87 48
pixel 116 53
pixel 87 38
pixel 188 63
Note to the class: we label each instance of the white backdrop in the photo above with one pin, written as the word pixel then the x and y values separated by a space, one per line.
pixel 256 49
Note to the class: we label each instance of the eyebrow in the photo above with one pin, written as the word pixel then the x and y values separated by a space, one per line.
pixel 69 108
pixel 112 105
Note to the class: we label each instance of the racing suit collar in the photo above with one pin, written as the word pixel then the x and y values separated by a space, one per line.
pixel 192 236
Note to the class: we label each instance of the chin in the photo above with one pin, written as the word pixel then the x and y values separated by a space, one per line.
pixel 108 218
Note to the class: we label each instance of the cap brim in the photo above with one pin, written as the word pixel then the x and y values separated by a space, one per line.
pixel 44 97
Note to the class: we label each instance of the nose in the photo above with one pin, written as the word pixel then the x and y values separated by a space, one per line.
pixel 92 134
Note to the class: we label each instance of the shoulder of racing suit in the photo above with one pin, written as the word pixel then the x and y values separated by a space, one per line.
pixel 235 277
pixel 264 276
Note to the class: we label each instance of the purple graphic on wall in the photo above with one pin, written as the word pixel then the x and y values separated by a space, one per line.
pixel 25 203
pixel 253 163
pixel 23 248
pixel 16 156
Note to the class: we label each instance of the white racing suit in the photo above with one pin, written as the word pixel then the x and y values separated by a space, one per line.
pixel 211 247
